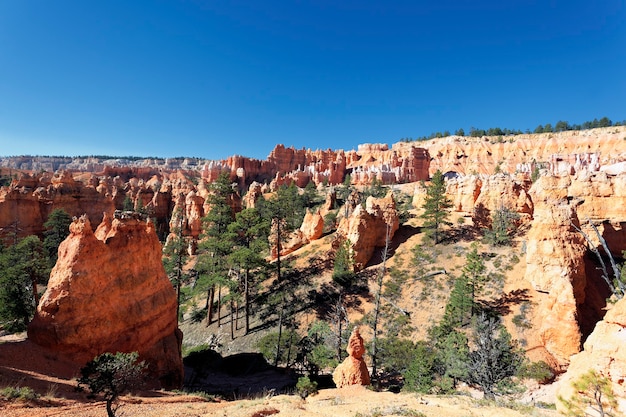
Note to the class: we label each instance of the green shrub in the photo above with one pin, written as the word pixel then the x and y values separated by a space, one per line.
pixel 306 387
pixel 539 371
pixel 268 345
pixel 419 374
pixel 18 393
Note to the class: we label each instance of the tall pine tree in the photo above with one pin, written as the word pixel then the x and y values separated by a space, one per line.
pixel 249 232
pixel 436 206
pixel 216 244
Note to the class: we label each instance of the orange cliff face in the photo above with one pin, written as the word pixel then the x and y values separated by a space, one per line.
pixel 100 299
pixel 368 227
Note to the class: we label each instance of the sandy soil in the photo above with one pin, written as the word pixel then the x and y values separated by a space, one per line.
pixel 345 402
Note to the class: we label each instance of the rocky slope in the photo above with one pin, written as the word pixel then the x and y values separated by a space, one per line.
pixel 108 292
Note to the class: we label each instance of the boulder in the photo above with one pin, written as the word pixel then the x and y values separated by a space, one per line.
pixel 312 225
pixel 108 292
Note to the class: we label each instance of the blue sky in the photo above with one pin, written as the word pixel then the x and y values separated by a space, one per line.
pixel 211 78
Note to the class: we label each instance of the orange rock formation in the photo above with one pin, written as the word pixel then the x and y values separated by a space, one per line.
pixel 353 370
pixel 368 227
pixel 108 292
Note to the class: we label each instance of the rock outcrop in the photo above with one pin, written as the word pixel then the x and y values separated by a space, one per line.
pixel 312 228
pixel 367 228
pixel 108 292
pixel 555 267
pixel 353 370
pixel 605 352
pixel 377 162
pixel 490 193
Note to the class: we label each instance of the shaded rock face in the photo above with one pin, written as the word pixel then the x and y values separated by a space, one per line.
pixel 367 228
pixel 604 351
pixel 108 292
pixel 353 370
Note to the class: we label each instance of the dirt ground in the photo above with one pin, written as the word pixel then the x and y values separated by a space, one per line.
pixel 24 364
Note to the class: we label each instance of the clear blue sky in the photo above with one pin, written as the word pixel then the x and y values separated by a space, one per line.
pixel 211 78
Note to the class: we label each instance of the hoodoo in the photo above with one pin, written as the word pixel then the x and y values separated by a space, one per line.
pixel 108 292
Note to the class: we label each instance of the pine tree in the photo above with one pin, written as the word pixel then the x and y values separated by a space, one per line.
pixel 57 229
pixel 175 256
pixel 592 392
pixel 112 375
pixel 216 244
pixel 22 266
pixel 474 272
pixel 249 232
pixel 436 206
pixel 502 226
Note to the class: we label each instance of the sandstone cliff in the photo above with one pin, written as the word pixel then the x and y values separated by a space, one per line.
pixel 108 292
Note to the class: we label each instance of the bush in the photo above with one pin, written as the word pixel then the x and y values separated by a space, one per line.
pixel 18 393
pixel 539 371
pixel 419 375
pixel 395 354
pixel 268 347
pixel 306 387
